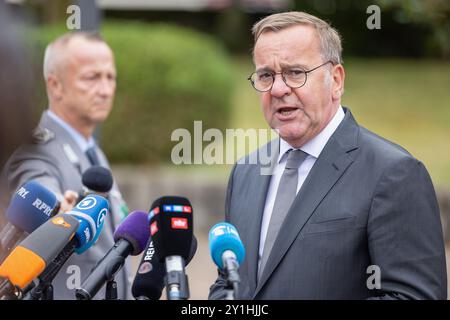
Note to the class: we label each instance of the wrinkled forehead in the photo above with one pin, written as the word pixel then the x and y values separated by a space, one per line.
pixel 83 49
pixel 81 53
pixel 299 42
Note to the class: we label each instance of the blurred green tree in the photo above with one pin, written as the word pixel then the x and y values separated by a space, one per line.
pixel 434 14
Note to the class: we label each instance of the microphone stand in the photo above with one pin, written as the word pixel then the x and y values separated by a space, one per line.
pixel 177 286
pixel 232 274
pixel 44 290
pixel 8 291
pixel 47 294
pixel 229 294
pixel 111 290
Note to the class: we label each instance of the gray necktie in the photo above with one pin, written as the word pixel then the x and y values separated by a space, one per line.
pixel 287 190
pixel 92 156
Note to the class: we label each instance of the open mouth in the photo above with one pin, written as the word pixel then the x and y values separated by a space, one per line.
pixel 286 111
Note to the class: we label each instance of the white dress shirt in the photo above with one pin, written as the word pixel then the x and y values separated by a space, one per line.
pixel 313 148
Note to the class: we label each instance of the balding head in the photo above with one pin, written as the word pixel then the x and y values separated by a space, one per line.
pixel 55 57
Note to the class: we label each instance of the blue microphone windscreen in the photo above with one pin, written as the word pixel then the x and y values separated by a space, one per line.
pixel 135 229
pixel 30 206
pixel 91 212
pixel 224 236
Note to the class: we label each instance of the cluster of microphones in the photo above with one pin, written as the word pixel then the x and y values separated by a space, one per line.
pixel 38 239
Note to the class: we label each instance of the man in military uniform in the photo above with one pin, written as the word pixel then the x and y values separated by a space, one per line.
pixel 80 76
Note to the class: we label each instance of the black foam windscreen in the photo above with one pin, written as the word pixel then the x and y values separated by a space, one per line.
pixel 171 226
pixel 98 179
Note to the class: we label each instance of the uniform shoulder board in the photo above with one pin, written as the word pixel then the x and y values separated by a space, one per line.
pixel 42 135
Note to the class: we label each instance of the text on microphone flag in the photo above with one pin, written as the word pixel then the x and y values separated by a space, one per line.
pixel 187 209
pixel 101 217
pixel 177 208
pixel 153 228
pixel 87 203
pixel 219 231
pixel 59 221
pixel 179 223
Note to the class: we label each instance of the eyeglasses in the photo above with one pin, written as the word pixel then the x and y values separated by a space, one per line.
pixel 294 78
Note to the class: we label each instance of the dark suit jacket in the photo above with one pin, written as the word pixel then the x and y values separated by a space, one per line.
pixel 366 201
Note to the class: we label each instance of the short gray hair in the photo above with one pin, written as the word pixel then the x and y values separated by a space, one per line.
pixel 330 40
pixel 52 50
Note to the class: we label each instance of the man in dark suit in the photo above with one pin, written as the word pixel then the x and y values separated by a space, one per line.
pixel 344 214
pixel 80 76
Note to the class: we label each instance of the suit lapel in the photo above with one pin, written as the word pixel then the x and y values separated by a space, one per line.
pixel 255 205
pixel 328 168
pixel 260 186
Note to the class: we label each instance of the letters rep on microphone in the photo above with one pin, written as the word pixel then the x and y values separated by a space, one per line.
pixel 42 206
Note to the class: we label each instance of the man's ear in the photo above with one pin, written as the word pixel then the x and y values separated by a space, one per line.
pixel 338 76
pixel 54 87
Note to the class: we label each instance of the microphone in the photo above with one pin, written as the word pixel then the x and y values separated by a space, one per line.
pixel 227 252
pixel 32 255
pixel 148 283
pixel 96 179
pixel 30 206
pixel 171 228
pixel 130 238
pixel 90 214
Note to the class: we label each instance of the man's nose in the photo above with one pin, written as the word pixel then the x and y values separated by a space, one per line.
pixel 279 87
pixel 106 87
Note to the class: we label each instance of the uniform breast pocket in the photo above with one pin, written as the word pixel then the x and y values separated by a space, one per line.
pixel 334 224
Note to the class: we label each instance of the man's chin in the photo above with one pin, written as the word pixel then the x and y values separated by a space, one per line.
pixel 100 115
pixel 291 130
pixel 97 119
pixel 291 135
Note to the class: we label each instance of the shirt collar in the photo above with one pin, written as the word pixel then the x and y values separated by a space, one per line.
pixel 81 141
pixel 315 146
